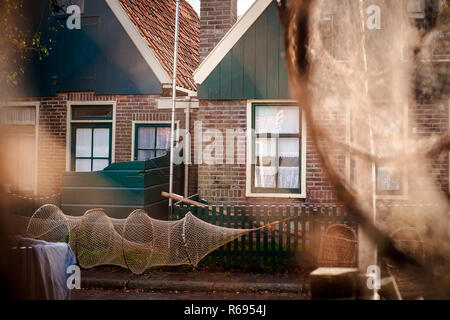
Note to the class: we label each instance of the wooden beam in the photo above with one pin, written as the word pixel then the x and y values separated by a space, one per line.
pixel 177 197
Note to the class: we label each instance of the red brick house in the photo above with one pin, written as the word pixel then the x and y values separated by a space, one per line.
pixel 104 93
pixel 242 86
pixel 116 86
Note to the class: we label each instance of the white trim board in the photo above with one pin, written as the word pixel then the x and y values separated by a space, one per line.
pixel 36 105
pixel 229 40
pixel 248 182
pixel 181 103
pixel 69 122
pixel 140 43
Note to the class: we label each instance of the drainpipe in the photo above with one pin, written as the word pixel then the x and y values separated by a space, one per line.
pixel 187 151
pixel 174 93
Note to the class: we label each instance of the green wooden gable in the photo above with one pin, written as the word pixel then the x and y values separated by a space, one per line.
pixel 254 68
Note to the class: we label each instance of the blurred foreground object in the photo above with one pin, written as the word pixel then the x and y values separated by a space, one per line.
pixel 43 268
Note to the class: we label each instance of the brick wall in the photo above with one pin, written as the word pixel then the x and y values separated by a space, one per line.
pixel 221 182
pixel 216 18
pixel 226 183
pixel 432 118
pixel 53 132
pixel 51 143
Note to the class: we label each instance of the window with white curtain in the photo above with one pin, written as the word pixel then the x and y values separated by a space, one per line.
pixel 151 140
pixel 91 147
pixel 276 148
pixel 423 15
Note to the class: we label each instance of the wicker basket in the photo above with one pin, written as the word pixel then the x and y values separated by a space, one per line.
pixel 338 247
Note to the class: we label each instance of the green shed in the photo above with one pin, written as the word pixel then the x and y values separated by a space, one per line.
pixel 121 188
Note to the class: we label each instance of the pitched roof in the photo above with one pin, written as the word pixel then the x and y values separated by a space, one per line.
pixel 155 20
pixel 230 39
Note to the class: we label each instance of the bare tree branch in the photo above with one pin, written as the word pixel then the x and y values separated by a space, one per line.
pixel 295 21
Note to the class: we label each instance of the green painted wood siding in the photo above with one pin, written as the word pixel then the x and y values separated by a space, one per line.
pixel 99 57
pixel 254 68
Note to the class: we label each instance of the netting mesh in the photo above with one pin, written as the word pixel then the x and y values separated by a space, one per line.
pixel 379 97
pixel 137 242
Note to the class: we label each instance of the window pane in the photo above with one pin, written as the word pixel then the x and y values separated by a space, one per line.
pixel 160 153
pixel 19 116
pixel 83 142
pixel 387 126
pixel 288 152
pixel 289 119
pixel 288 177
pixel 264 119
pixel 83 165
pixel 163 138
pixel 10 161
pixel 145 154
pixel 94 111
pixel 277 119
pixel 25 150
pixel 389 123
pixel 101 143
pixel 146 138
pixel 265 151
pixel 416 7
pixel 100 164
pixel 387 179
pixel 265 177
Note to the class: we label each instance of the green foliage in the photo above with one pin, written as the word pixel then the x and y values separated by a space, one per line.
pixel 18 43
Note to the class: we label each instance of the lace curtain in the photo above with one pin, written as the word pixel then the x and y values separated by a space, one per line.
pixel 277 158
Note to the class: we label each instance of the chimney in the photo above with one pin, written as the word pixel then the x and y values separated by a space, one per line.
pixel 216 18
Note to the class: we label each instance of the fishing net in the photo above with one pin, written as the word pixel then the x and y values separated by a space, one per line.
pixel 137 242
pixel 379 81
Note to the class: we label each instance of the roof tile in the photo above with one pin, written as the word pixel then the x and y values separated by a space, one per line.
pixel 155 20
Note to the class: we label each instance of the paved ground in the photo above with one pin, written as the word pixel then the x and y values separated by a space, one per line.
pixel 113 283
pixel 117 283
pixel 95 294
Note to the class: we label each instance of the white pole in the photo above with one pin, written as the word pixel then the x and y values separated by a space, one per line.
pixel 187 152
pixel 174 93
pixel 371 141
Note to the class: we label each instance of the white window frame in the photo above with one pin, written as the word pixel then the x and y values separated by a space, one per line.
pixel 248 182
pixel 70 121
pixel 404 173
pixel 36 105
pixel 133 131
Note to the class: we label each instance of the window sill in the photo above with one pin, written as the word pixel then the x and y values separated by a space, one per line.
pixel 391 197
pixel 276 195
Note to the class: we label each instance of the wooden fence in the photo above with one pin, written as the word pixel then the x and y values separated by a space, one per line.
pixel 290 244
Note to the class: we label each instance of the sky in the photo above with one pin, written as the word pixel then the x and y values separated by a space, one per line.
pixel 243 5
